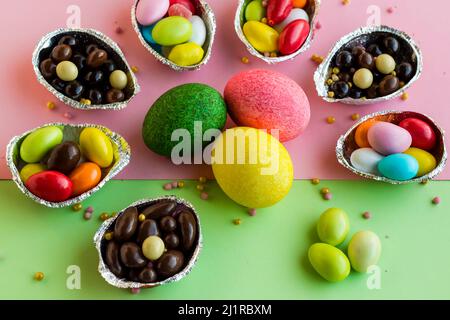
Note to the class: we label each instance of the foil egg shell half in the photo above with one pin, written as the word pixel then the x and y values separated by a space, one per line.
pixel 346 145
pixel 42 51
pixel 121 158
pixel 113 280
pixel 363 36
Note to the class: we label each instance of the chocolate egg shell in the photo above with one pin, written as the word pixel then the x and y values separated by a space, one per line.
pixel 83 36
pixel 64 157
pixel 71 132
pixel 346 145
pixel 364 36
pixel 207 15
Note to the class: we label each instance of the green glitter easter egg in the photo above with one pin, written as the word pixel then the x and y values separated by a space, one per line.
pixel 183 107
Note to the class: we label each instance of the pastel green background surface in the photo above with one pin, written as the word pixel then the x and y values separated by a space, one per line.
pixel 263 258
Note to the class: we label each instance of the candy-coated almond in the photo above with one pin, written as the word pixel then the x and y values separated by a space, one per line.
pixel 50 185
pixel 262 37
pixel 96 146
pixel 36 145
pixel 85 177
pixel 171 31
pixel 30 169
pixel 293 36
pixel 186 54
pixel 331 263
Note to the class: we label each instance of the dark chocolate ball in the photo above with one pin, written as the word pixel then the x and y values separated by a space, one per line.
pixel 404 71
pixel 344 76
pixel 374 50
pixel 172 241
pixel 355 93
pixel 357 50
pixel 69 40
pixel 61 52
pixel 79 60
pixel 74 90
pixel 148 275
pixel 90 48
pixel 58 84
pixel 48 68
pixel 340 89
pixel 391 45
pixel 95 96
pixel 389 85
pixel 168 224
pixel 94 77
pixel 115 95
pixel 96 58
pixel 366 60
pixel 372 92
pixel 344 59
pixel 108 66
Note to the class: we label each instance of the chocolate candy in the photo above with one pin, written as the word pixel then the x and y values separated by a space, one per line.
pixel 148 275
pixel 389 85
pixel 96 58
pixel 357 50
pixel 58 84
pixel 90 48
pixel 112 259
pixel 188 228
pixel 108 66
pixel 95 96
pixel 68 40
pixel 74 90
pixel 168 224
pixel 170 263
pixel 79 60
pixel 94 77
pixel 344 59
pixel 62 52
pixel 341 89
pixel 147 228
pixel 366 60
pixel 374 50
pixel 114 95
pixel 391 45
pixel 405 71
pixel 131 255
pixel 355 93
pixel 172 241
pixel 48 68
pixel 64 157
pixel 159 210
pixel 126 224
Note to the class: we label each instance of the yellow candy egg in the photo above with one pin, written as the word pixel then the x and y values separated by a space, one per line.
pixel 96 146
pixel 30 169
pixel 186 54
pixel 427 162
pixel 261 36
pixel 252 167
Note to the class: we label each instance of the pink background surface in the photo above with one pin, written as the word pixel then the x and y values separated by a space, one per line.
pixel 24 100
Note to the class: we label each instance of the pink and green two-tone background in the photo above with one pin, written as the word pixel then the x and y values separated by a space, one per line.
pixel 264 257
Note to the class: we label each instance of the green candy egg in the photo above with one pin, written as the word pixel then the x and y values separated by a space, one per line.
pixel 333 226
pixel 331 263
pixel 171 31
pixel 255 11
pixel 183 107
pixel 36 145
pixel 364 250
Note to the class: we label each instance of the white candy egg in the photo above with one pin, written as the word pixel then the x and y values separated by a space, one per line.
pixel 198 31
pixel 366 160
pixel 295 14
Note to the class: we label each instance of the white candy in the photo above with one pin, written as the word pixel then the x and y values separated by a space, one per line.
pixel 198 30
pixel 366 160
pixel 296 14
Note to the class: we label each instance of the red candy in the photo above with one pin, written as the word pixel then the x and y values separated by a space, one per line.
pixel 278 10
pixel 50 185
pixel 293 36
pixel 423 135
pixel 187 3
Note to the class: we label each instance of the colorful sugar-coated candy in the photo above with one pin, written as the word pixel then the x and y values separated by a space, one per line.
pixel 278 10
pixel 296 14
pixel 387 138
pixel 187 3
pixel 366 160
pixel 261 36
pixel 36 145
pixel 96 146
pixel 198 31
pixel 423 135
pixel 331 263
pixel 147 34
pixel 299 3
pixel 255 11
pixel 186 54
pixel 427 162
pixel 64 157
pixel 293 36
pixel 333 226
pixel 29 169
pixel 364 250
pixel 399 166
pixel 171 31
pixel 150 11
pixel 85 177
pixel 180 11
pixel 361 133
pixel 50 185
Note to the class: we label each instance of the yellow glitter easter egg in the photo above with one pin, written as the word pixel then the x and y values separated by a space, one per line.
pixel 252 167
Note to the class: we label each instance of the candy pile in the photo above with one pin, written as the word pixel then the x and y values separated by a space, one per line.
pixel 150 243
pixel 398 151
pixel 85 70
pixel 276 27
pixel 174 29
pixel 55 170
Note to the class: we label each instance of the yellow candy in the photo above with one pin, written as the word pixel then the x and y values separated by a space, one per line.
pixel 427 162
pixel 96 146
pixel 30 169
pixel 262 37
pixel 118 79
pixel 67 71
pixel 186 54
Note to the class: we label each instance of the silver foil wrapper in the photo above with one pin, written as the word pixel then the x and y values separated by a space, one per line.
pixel 209 19
pixel 49 40
pixel 346 145
pixel 239 20
pixel 362 36
pixel 71 132
pixel 126 284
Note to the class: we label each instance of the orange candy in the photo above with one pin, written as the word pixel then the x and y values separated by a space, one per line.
pixel 361 133
pixel 85 177
pixel 299 3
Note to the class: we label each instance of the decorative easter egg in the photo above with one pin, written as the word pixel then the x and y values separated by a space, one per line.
pixel 180 11
pixel 278 10
pixel 85 177
pixel 261 36
pixel 364 250
pixel 64 157
pixel 50 185
pixel 96 146
pixel 198 30
pixel 252 167
pixel 255 11
pixel 330 262
pixel 427 162
pixel 150 11
pixel 36 145
pixel 293 36
pixel 366 160
pixel 187 3
pixel 186 54
pixel 269 100
pixel 361 133
pixel 387 138
pixel 183 107
pixel 296 14
pixel 29 169
pixel 399 167
pixel 423 136
pixel 171 31
pixel 333 226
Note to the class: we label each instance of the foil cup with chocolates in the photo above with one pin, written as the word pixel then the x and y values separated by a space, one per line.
pixel 84 69
pixel 150 243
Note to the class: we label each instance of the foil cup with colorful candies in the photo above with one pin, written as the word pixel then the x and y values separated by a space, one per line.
pixel 150 243
pixel 178 33
pixel 58 165
pixel 276 30
pixel 394 146
pixel 84 69
pixel 369 65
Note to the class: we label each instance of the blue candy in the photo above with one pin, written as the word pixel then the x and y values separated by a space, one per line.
pixel 399 167
pixel 147 33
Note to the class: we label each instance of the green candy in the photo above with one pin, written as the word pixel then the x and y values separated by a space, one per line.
pixel 179 108
pixel 255 11
pixel 333 226
pixel 171 31
pixel 331 263
pixel 364 250
pixel 36 145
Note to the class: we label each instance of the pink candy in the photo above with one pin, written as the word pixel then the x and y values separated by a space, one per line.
pixel 180 11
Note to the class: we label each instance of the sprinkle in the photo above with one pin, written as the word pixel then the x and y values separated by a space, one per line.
pixel 39 276
pixel 180 184
pixel 335 70
pixel 315 181
pixel 89 209
pixel 345 2
pixel 104 216
pixel 245 60
pixel 355 116
pixel 317 59
pixel 273 55
pixel 77 207
pixel 119 30
pixel 174 184
pixel 135 290
pixel 404 96
pixel 318 25
pixel 251 212
pixel 85 101
pixel 200 187
pixel 330 94
pixel 423 182
pixel 204 196
pixel 330 82
pixel 436 200
pixel 324 190
pixel 202 179
pixel 237 221
pixel 331 120
pixel 87 215
pixel 134 69
pixel 109 236
pixel 264 20
pixel 334 77
pixel 390 10
pixel 68 115
pixel 51 105
pixel 141 217
pixel 367 215
pixel 167 186
pixel 328 196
